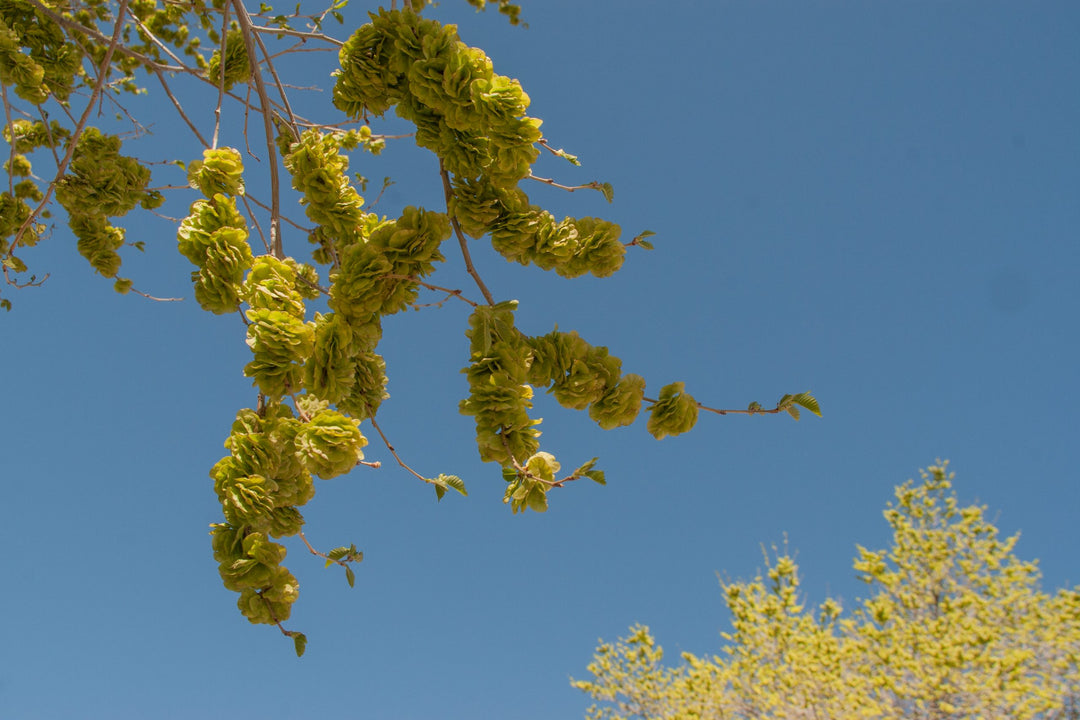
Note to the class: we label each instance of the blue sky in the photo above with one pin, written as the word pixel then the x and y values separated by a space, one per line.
pixel 875 201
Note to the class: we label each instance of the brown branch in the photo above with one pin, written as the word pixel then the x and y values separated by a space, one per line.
pixel 297 33
pixel 449 192
pixel 176 103
pixel 594 185
pixel 371 419
pixel 255 221
pixel 246 29
pixel 221 74
pixel 277 81
pixel 449 293
pixel 11 129
pixel 755 411
pixel 156 299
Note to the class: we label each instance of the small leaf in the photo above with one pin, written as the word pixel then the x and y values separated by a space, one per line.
pixel 793 411
pixel 807 401
pixel 5 303
pixel 754 406
pixel 596 476
pixel 572 159
pixel 584 469
pixel 645 244
pixel 350 576
pixel 537 499
pixel 122 286
pixel 607 191
pixel 455 483
pixel 439 492
pixel 300 643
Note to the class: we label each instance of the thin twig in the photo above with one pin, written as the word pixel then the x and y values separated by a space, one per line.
pixel 594 185
pixel 277 81
pixel 449 292
pixel 448 191
pixel 156 299
pixel 297 33
pixel 313 551
pixel 755 411
pixel 176 104
pixel 48 133
pixel 255 221
pixel 371 419
pixel 221 74
pixel 284 218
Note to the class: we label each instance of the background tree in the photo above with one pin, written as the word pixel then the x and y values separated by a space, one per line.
pixel 314 329
pixel 955 627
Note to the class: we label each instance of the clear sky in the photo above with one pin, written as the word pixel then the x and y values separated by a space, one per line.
pixel 875 201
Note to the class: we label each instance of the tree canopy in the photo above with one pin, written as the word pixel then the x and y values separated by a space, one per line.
pixel 314 327
pixel 955 626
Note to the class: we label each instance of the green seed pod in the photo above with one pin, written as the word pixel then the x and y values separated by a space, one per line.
pixel 330 444
pixel 272 285
pixel 237 66
pixel 620 403
pixel 369 388
pixel 247 500
pixel 280 343
pixel 330 371
pixel 220 171
pixel 674 413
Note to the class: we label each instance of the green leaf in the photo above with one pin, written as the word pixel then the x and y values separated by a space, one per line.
pixel 596 476
pixel 447 482
pixel 5 304
pixel 350 576
pixel 645 244
pixel 122 286
pixel 607 191
pixel 807 401
pixel 14 263
pixel 754 406
pixel 793 411
pixel 300 643
pixel 537 499
pixel 581 471
pixel 572 159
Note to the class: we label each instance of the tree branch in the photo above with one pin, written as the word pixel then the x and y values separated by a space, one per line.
pixel 247 30
pixel 449 192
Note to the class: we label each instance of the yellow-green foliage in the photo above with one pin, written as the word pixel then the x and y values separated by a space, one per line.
pixel 955 626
